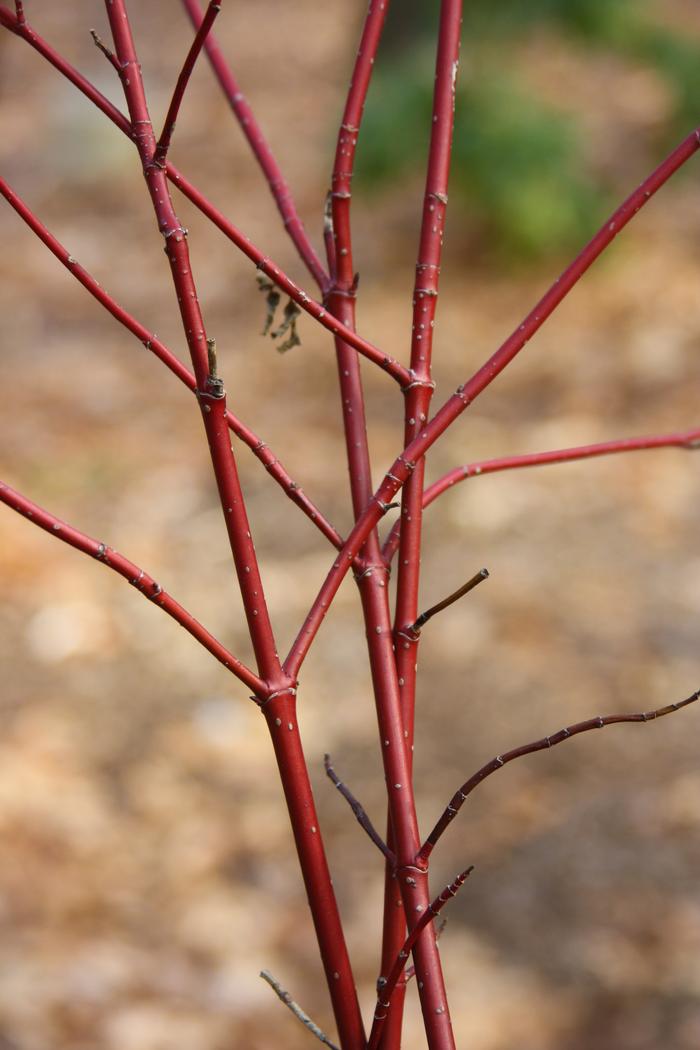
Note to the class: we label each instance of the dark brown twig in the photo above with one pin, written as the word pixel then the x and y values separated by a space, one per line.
pixel 386 988
pixel 457 800
pixel 477 578
pixel 362 818
pixel 101 46
pixel 296 1009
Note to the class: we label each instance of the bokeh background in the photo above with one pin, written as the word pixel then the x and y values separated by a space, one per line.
pixel 146 869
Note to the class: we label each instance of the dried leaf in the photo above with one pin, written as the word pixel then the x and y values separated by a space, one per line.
pixel 272 300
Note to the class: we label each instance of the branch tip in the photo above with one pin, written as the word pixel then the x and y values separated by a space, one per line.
pixel 211 357
pixel 101 46
pixel 476 579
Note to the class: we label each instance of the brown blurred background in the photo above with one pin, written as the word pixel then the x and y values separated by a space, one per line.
pixel 146 869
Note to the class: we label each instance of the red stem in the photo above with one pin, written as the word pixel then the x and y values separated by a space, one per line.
pixel 458 799
pixel 395 755
pixel 417 405
pixel 279 687
pixel 344 161
pixel 397 767
pixel 139 579
pixel 261 151
pixel 280 715
pixel 262 262
pixel 688 439
pixel 212 400
pixel 183 80
pixel 418 395
pixel 161 351
pixel 425 295
pixel 341 301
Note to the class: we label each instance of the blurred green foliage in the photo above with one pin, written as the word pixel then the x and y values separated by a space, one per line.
pixel 519 168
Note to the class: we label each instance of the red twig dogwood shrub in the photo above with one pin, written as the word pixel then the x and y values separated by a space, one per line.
pixel 393 620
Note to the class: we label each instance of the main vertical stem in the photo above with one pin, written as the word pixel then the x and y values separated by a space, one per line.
pixel 372 581
pixel 280 715
pixel 418 396
pixel 419 392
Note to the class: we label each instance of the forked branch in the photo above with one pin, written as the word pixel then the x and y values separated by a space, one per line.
pixel 183 80
pixel 137 577
pixel 458 799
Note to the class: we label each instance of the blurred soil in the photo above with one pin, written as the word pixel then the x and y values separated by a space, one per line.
pixel 146 869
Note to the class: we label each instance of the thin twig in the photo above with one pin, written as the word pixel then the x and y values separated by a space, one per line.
pixel 101 46
pixel 137 577
pixel 458 799
pixel 360 814
pixel 387 987
pixel 182 82
pixel 296 1009
pixel 477 578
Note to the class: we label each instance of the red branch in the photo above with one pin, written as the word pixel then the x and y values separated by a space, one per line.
pixel 458 799
pixel 687 439
pixel 210 391
pixel 139 579
pixel 161 351
pixel 183 80
pixel 261 151
pixel 372 583
pixel 417 406
pixel 262 261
